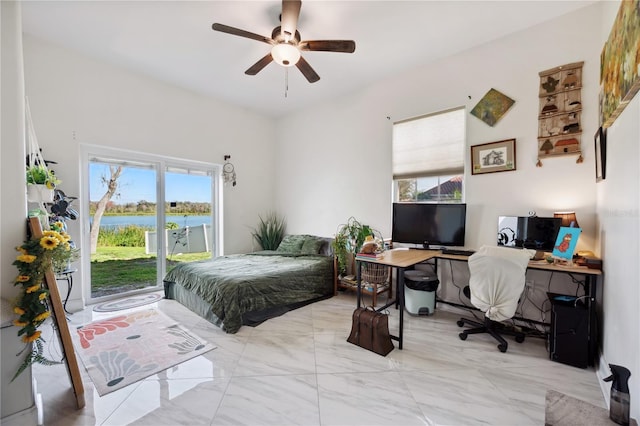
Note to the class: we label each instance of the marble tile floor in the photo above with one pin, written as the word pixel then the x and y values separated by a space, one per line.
pixel 298 369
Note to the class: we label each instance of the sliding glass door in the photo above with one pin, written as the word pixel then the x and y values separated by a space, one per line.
pixel 122 216
pixel 145 214
pixel 188 206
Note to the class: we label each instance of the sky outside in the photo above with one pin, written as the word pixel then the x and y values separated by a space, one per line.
pixel 136 184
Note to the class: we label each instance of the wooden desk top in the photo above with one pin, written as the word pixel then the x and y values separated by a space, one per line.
pixel 537 264
pixel 403 258
pixel 546 266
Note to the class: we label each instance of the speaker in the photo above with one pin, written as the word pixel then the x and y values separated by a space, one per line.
pixel 569 334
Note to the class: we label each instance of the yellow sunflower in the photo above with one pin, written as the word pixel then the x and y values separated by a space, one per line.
pixel 32 288
pixel 26 258
pixel 18 310
pixel 19 323
pixel 43 316
pixel 49 242
pixel 32 338
pixel 23 278
pixel 42 296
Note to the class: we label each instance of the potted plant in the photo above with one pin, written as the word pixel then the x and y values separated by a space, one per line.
pixel 270 231
pixel 348 241
pixel 40 183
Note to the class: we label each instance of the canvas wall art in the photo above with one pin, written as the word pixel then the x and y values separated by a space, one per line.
pixel 492 107
pixel 620 63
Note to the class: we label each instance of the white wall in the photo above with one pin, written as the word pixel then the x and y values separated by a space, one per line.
pixel 76 100
pixel 618 206
pixel 334 159
pixel 17 401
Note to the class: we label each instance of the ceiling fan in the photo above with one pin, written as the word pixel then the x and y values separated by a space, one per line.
pixel 287 44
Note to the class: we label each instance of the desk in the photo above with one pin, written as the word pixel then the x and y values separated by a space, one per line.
pixel 590 283
pixel 400 259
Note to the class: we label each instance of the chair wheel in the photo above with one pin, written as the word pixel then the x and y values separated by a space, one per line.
pixel 460 323
pixel 503 348
pixel 519 338
pixel 463 336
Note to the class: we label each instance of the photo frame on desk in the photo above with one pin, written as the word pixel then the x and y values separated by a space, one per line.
pixel 600 141
pixel 566 243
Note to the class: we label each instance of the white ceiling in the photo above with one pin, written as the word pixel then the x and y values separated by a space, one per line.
pixel 173 40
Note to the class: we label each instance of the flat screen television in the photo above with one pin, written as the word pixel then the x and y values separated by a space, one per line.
pixel 429 224
pixel 538 233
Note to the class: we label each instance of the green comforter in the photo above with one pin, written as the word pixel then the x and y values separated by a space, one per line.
pixel 237 284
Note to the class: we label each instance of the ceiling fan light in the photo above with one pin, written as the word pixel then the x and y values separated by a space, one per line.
pixel 285 54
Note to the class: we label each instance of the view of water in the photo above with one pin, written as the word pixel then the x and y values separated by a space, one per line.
pixel 189 220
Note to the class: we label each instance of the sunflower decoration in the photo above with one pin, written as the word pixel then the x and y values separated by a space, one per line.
pixel 35 257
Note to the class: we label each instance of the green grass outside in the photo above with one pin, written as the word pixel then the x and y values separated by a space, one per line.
pixel 118 269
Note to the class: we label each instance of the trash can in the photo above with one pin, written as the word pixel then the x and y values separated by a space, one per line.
pixel 420 292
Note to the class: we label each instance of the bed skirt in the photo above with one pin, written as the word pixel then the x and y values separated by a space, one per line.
pixel 202 308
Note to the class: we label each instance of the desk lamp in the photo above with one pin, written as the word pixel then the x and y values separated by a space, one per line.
pixel 568 219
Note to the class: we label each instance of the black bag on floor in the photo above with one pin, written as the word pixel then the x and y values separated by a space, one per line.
pixel 370 330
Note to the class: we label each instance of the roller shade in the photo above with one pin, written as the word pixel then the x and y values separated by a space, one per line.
pixel 430 145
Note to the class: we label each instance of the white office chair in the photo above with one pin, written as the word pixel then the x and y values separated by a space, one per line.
pixel 497 276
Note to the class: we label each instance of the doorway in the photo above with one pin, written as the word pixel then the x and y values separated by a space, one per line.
pixel 145 214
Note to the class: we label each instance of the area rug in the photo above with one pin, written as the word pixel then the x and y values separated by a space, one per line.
pixel 121 350
pixel 129 302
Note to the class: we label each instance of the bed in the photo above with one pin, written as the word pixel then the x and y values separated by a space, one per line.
pixel 247 289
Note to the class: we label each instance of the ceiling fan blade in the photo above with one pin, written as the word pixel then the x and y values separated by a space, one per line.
pixel 345 46
pixel 258 66
pixel 289 18
pixel 241 33
pixel 307 71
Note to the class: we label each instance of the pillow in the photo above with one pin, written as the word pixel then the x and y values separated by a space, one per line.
pixel 291 244
pixel 312 245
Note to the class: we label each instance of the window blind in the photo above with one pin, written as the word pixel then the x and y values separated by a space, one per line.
pixel 430 145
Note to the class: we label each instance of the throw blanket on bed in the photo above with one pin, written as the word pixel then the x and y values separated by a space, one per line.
pixel 236 284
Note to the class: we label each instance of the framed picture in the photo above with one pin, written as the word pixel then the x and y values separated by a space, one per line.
pixel 600 139
pixel 566 243
pixel 493 157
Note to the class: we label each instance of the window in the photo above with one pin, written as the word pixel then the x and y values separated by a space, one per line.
pixel 428 157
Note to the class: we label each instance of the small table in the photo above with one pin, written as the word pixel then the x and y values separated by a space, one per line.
pixel 400 259
pixel 66 275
